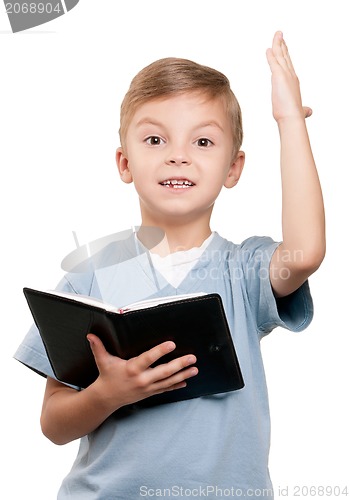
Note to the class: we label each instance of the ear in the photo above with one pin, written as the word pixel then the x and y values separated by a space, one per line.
pixel 123 166
pixel 235 170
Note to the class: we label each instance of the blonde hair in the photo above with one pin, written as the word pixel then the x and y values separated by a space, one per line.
pixel 171 76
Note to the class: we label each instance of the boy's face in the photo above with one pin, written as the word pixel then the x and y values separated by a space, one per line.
pixel 178 153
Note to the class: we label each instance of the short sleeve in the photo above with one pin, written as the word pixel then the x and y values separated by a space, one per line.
pixel 293 312
pixel 31 352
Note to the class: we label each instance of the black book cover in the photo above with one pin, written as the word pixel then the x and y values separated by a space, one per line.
pixel 197 325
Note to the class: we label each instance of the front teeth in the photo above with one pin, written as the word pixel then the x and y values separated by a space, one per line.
pixel 177 184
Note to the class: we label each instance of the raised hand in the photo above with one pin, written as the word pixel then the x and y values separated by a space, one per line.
pixel 286 97
pixel 303 226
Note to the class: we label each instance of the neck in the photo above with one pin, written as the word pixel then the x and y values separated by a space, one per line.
pixel 178 236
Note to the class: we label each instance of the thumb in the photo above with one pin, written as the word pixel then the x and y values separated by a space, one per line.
pixel 98 350
pixel 307 111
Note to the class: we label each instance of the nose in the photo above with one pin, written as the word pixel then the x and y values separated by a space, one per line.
pixel 177 161
pixel 178 158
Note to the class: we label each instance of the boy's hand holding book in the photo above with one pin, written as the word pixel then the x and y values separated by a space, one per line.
pixel 123 382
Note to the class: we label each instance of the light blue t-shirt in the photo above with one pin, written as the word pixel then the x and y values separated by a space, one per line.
pixel 214 446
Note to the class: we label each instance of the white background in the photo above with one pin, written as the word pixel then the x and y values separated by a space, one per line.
pixel 61 85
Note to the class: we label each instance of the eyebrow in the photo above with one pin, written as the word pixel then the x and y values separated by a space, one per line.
pixel 151 121
pixel 148 121
pixel 212 123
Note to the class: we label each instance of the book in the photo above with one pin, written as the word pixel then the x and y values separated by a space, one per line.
pixel 196 323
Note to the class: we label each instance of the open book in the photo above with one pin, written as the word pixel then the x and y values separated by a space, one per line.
pixel 142 304
pixel 196 323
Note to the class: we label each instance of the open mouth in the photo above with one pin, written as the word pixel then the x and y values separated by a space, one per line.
pixel 177 183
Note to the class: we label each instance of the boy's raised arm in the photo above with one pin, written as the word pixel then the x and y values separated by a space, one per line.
pixel 303 224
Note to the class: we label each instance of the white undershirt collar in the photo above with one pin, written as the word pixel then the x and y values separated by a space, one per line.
pixel 175 266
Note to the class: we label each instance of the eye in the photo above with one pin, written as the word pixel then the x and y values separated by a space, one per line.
pixel 154 140
pixel 204 143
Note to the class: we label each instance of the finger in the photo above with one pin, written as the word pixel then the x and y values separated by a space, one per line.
pixel 98 350
pixel 271 59
pixel 176 381
pixel 286 56
pixel 274 54
pixel 174 369
pixel 146 359
pixel 277 46
pixel 280 51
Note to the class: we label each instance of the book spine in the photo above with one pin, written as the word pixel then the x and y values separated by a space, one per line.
pixel 106 326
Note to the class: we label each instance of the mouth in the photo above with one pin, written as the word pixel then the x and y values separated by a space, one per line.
pixel 177 183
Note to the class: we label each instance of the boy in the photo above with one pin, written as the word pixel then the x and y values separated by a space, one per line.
pixel 181 134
